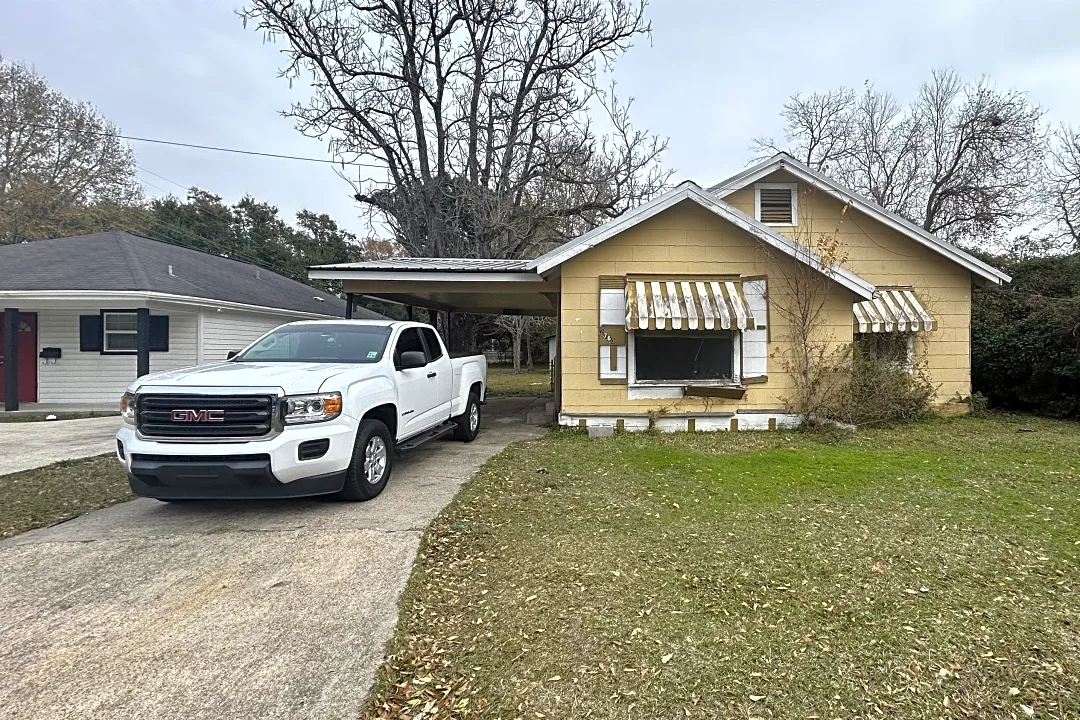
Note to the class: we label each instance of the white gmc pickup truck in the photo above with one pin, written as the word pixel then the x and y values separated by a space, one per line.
pixel 310 408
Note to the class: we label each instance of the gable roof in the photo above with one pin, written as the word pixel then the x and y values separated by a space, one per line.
pixel 783 161
pixel 694 193
pixel 122 261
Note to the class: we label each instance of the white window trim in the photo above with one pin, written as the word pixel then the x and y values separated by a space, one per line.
pixel 793 187
pixel 105 333
pixel 908 363
pixel 631 368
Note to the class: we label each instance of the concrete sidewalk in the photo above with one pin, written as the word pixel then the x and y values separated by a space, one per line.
pixel 26 445
pixel 223 610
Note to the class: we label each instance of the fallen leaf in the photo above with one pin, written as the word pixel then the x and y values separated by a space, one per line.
pixel 757 698
pixel 878 568
pixel 667 658
pixel 1013 691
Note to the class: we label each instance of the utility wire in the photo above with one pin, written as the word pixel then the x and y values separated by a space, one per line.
pixel 195 146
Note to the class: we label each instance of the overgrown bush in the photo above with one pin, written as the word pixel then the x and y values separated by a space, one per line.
pixel 881 390
pixel 1025 338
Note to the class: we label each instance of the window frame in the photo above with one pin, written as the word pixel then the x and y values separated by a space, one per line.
pixel 907 364
pixel 431 356
pixel 397 342
pixel 793 187
pixel 105 332
pixel 632 380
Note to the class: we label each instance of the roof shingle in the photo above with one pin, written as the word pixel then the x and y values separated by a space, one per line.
pixel 123 261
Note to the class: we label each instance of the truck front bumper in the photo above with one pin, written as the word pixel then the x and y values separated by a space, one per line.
pixel 269 468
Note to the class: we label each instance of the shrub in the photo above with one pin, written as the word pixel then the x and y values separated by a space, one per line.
pixel 881 390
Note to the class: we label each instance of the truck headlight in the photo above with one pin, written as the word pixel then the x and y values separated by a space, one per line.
pixel 127 407
pixel 311 408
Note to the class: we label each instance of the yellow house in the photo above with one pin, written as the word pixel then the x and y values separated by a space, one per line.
pixel 683 313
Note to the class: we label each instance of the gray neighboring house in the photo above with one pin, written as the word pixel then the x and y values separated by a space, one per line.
pixel 84 316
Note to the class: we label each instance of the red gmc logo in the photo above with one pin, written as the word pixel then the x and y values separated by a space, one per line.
pixel 197 415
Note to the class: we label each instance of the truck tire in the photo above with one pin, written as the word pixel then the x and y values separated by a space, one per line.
pixel 373 454
pixel 468 422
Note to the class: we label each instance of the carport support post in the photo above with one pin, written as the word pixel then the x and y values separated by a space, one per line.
pixel 11 359
pixel 349 299
pixel 142 342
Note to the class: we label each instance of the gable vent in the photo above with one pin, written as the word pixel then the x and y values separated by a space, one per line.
pixel 775 206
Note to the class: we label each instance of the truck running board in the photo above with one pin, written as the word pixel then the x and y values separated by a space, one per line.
pixel 417 440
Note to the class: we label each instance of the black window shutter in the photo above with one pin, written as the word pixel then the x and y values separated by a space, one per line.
pixel 159 333
pixel 90 339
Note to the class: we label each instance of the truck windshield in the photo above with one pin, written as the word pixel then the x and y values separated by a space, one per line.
pixel 319 344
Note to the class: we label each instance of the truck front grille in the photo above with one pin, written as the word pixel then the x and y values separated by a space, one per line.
pixel 205 416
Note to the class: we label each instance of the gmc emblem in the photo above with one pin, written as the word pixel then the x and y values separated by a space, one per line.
pixel 197 416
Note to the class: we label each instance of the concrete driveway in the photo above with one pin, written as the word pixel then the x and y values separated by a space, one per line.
pixel 222 610
pixel 25 445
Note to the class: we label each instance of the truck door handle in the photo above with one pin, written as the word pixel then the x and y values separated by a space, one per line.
pixel 432 374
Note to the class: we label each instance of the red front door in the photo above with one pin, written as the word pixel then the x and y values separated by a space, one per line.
pixel 26 358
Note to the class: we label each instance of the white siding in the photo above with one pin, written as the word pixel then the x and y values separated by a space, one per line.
pixel 90 377
pixel 227 330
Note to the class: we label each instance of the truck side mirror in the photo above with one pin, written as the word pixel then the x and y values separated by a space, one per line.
pixel 411 359
pixel 232 354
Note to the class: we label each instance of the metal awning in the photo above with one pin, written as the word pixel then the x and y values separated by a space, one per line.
pixel 686 304
pixel 892 310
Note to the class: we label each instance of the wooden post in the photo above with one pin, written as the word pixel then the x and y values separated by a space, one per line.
pixel 11 359
pixel 349 300
pixel 142 342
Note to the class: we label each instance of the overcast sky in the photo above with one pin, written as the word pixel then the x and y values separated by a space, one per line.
pixel 713 76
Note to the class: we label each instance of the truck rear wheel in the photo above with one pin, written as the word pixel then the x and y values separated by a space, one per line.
pixel 372 457
pixel 468 422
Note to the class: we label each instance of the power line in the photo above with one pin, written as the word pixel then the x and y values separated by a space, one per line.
pixel 195 146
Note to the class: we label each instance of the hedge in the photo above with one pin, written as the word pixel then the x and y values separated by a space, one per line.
pixel 1025 337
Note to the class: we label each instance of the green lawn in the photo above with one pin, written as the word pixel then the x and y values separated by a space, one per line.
pixel 503 381
pixel 922 572
pixel 47 495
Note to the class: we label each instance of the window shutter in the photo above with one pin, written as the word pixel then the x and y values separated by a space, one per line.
pixel 612 339
pixel 755 339
pixel 159 333
pixel 90 336
pixel 775 206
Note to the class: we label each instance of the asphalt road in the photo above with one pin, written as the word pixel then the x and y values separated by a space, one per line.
pixel 222 610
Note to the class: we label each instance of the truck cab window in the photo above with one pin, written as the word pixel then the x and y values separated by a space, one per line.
pixel 408 341
pixel 433 344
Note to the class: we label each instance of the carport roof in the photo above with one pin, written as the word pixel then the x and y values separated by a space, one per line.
pixel 433 264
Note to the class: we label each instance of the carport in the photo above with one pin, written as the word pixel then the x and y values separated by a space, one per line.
pixel 481 286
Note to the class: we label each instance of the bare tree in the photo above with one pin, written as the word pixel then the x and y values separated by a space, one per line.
pixel 516 326
pixel 818 128
pixel 1063 189
pixel 61 164
pixel 962 160
pixel 477 110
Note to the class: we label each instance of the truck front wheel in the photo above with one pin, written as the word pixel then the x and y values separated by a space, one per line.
pixel 372 457
pixel 468 422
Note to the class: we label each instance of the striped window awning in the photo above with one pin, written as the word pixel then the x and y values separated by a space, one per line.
pixel 679 304
pixel 893 310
